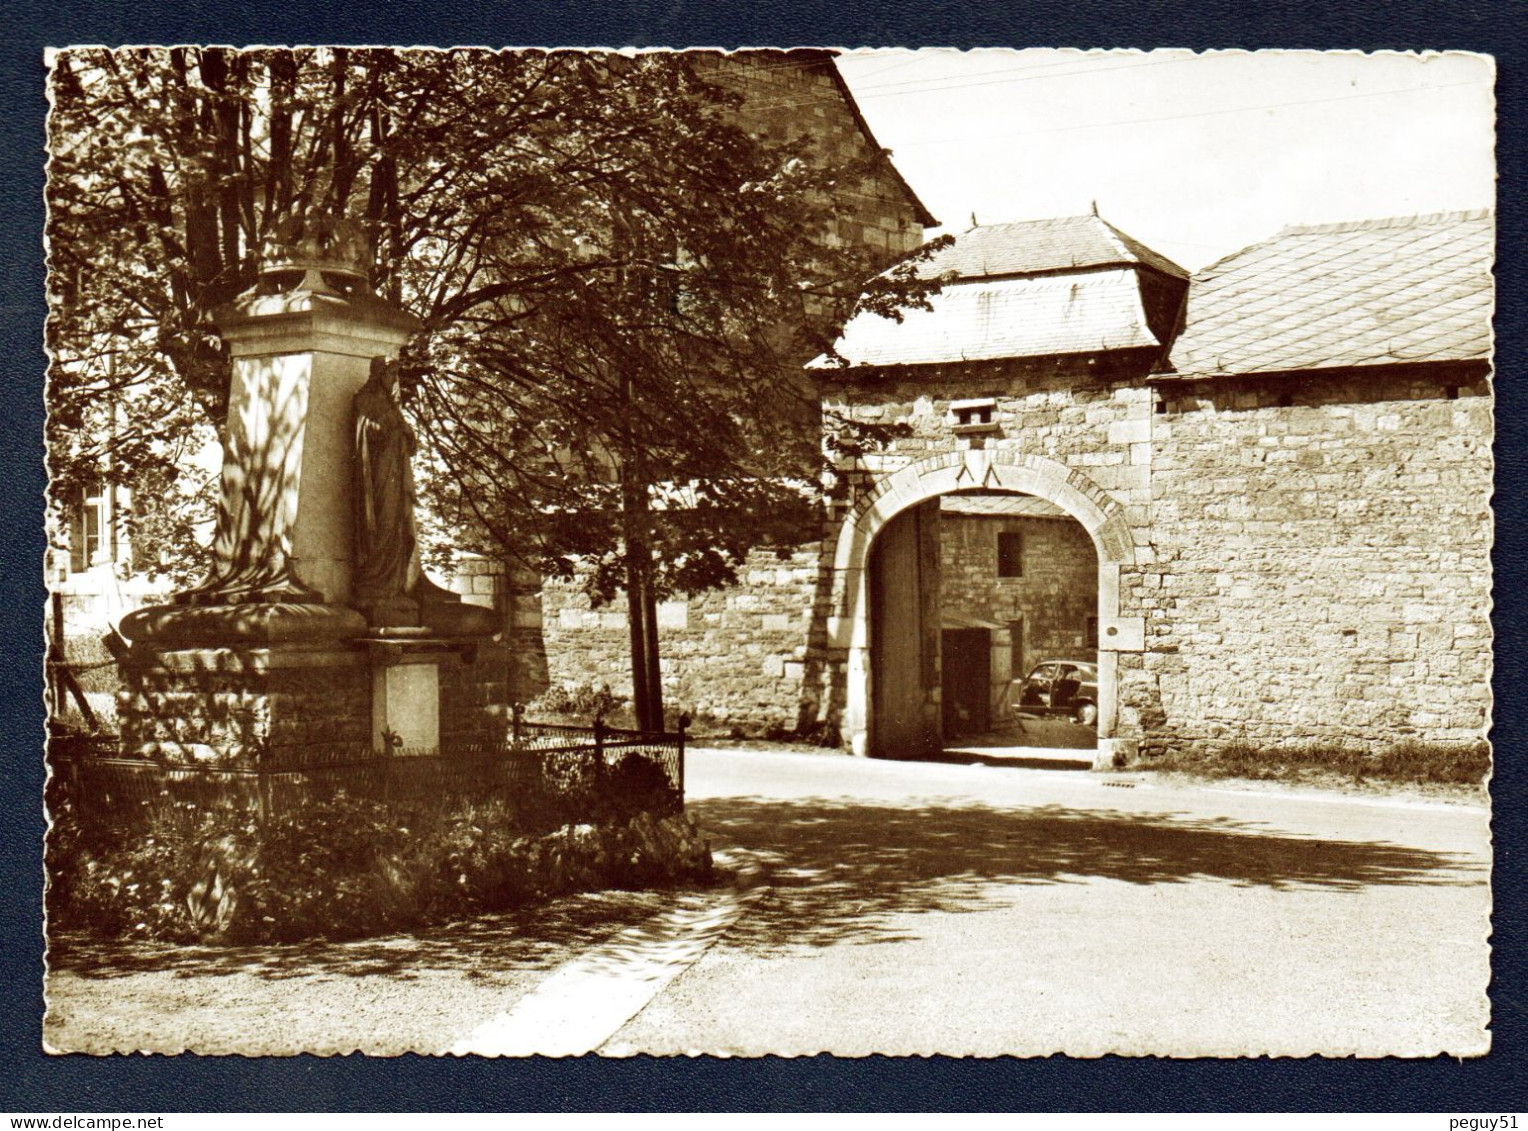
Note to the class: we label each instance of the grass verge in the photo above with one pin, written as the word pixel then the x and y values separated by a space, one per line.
pixel 1451 768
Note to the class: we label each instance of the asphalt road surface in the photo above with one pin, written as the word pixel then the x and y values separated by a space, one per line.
pixel 919 908
pixel 968 907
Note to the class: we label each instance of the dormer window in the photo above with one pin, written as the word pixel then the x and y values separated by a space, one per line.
pixel 974 415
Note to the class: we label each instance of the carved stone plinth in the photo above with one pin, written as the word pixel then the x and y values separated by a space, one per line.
pixel 430 693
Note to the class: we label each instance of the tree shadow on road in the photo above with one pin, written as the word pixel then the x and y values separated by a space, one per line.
pixel 531 938
pixel 840 869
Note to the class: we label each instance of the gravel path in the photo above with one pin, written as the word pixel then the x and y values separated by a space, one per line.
pixel 922 908
pixel 910 908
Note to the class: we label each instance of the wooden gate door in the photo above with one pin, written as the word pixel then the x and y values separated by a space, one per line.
pixel 904 635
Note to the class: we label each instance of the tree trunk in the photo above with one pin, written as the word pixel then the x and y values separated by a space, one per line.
pixel 642 616
pixel 637 624
pixel 654 666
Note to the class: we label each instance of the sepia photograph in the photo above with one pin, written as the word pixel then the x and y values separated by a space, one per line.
pixel 769 552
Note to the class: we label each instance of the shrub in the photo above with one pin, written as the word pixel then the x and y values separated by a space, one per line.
pixel 344 867
pixel 339 864
pixel 576 700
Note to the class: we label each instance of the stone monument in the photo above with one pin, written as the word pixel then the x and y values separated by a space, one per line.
pixel 317 629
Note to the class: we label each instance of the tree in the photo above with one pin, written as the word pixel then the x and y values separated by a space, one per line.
pixel 617 284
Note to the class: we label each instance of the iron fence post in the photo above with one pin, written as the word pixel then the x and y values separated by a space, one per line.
pixel 517 723
pixel 684 722
pixel 263 793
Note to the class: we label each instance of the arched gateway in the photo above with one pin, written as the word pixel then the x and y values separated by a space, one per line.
pixel 990 470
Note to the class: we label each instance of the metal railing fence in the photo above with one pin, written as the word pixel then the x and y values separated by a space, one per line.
pixel 93 774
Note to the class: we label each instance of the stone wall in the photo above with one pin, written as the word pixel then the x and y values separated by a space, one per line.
pixel 474 696
pixel 745 657
pixel 787 95
pixel 1323 560
pixel 516 595
pixel 1055 597
pixel 1091 412
pixel 227 704
pixel 1311 559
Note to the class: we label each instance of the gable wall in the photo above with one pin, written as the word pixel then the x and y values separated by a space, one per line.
pixel 787 94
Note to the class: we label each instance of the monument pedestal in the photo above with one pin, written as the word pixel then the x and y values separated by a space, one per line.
pixel 293 703
pixel 242 706
pixel 269 660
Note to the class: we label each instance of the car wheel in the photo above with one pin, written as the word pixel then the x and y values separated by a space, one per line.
pixel 1086 714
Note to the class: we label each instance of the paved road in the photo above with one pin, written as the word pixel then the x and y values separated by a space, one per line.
pixel 909 908
pixel 935 908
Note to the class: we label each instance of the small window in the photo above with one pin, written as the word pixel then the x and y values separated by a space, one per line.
pixel 1092 633
pixel 1010 554
pixel 91 532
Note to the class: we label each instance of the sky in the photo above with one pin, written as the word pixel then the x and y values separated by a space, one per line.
pixel 1195 155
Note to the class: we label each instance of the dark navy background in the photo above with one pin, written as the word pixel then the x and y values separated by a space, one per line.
pixel 31 1081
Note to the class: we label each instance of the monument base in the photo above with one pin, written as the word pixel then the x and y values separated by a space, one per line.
pixel 294 703
pixel 433 693
pixel 279 624
pixel 241 704
pixel 289 684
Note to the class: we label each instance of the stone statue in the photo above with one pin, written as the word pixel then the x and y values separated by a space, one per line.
pixel 386 540
pixel 388 583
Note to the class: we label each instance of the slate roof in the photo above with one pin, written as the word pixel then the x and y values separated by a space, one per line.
pixel 1008 506
pixel 1016 317
pixel 1377 292
pixel 1038 288
pixel 1032 247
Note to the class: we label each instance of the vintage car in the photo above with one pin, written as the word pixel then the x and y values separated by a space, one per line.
pixel 1060 687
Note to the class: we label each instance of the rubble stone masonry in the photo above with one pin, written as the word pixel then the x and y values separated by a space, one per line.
pixel 1311 556
pixel 747 657
pixel 1054 597
pixel 1322 565
pixel 789 94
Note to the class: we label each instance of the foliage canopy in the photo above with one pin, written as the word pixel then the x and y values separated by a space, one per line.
pixel 618 282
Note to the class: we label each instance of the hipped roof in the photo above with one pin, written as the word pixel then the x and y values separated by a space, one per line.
pixel 1034 247
pixel 1037 288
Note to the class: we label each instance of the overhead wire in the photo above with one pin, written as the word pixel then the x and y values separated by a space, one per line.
pixel 1196 114
pixel 1005 75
